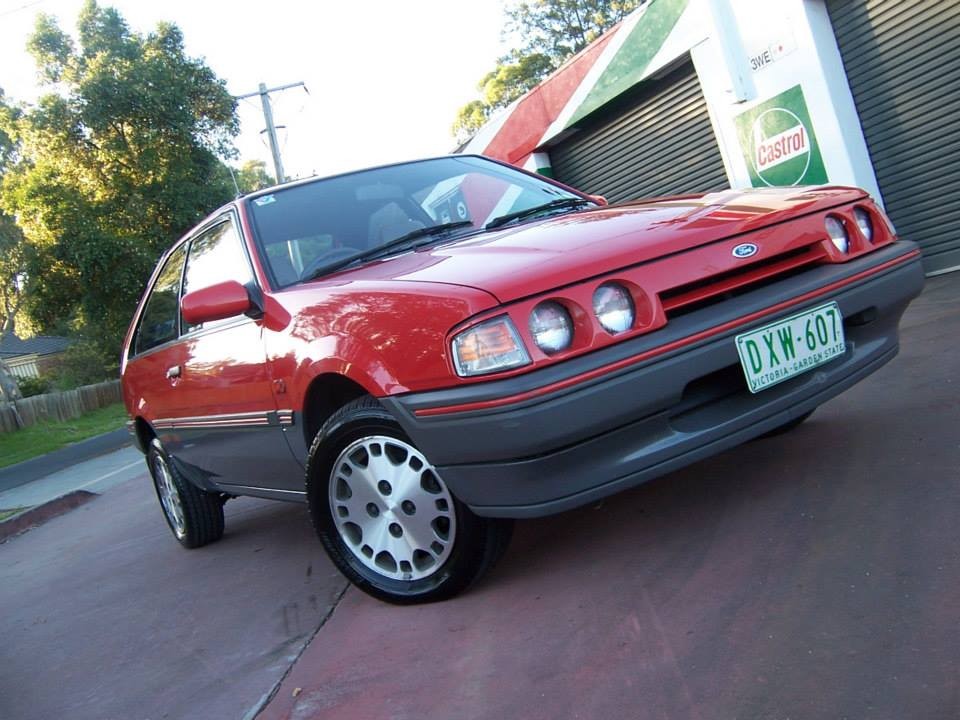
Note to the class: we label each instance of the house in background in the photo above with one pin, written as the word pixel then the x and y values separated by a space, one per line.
pixel 33 356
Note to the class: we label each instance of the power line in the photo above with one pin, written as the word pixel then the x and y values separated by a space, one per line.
pixel 27 6
pixel 264 92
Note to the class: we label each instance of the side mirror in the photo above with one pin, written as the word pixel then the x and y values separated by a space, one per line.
pixel 599 200
pixel 217 302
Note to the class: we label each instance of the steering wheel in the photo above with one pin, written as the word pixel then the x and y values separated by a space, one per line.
pixel 326 257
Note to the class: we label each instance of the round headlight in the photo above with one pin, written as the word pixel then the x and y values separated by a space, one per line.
pixel 864 223
pixel 551 327
pixel 613 307
pixel 838 234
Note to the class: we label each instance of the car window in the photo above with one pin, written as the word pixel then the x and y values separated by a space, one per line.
pixel 215 256
pixel 159 321
pixel 289 257
pixel 303 226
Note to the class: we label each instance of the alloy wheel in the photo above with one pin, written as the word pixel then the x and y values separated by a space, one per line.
pixel 391 508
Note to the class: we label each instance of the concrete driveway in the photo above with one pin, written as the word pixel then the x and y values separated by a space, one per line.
pixel 814 575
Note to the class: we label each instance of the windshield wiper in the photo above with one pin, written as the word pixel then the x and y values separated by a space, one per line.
pixel 429 231
pixel 383 249
pixel 557 204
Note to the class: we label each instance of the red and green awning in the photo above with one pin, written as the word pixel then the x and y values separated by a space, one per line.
pixel 604 70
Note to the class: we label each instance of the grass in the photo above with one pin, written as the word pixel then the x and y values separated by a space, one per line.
pixel 4 514
pixel 45 437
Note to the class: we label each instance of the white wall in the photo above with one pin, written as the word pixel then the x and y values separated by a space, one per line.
pixel 736 31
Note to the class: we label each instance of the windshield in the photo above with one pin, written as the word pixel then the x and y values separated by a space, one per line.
pixel 307 230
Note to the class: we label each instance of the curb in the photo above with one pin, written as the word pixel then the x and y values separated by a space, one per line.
pixel 39 467
pixel 32 517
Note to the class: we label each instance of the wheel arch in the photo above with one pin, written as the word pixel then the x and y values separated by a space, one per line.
pixel 143 434
pixel 327 393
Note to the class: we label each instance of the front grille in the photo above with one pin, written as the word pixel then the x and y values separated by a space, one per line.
pixel 702 293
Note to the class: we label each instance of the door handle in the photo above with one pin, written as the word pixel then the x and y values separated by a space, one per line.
pixel 173 372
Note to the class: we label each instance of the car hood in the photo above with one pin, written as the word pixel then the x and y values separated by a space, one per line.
pixel 534 257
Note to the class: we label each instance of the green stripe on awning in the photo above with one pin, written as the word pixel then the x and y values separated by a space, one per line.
pixel 628 66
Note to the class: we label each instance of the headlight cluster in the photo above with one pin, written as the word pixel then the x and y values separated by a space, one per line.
pixel 613 307
pixel 551 327
pixel 495 345
pixel 864 222
pixel 839 235
pixel 491 346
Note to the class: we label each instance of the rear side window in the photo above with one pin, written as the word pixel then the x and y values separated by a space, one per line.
pixel 216 255
pixel 159 322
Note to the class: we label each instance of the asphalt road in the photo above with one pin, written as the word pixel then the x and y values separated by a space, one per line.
pixel 105 617
pixel 14 476
pixel 813 575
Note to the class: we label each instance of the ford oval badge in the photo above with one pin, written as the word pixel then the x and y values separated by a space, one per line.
pixel 745 250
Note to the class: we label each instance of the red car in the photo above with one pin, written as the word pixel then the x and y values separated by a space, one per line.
pixel 424 351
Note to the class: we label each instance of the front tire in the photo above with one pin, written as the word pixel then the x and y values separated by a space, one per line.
pixel 386 518
pixel 195 517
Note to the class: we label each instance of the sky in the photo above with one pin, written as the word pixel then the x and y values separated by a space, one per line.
pixel 384 78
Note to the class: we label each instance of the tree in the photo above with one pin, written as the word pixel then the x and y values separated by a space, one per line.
pixel 253 176
pixel 12 267
pixel 114 164
pixel 11 239
pixel 549 32
pixel 13 255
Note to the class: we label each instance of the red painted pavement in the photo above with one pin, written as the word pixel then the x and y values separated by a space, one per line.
pixel 814 575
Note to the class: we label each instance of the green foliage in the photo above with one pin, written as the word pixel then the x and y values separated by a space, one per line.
pixel 253 176
pixel 113 165
pixel 40 439
pixel 513 77
pixel 470 118
pixel 8 115
pixel 14 255
pixel 14 251
pixel 548 32
pixel 558 29
pixel 34 386
pixel 83 363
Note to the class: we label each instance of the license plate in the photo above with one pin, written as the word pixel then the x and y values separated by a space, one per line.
pixel 786 348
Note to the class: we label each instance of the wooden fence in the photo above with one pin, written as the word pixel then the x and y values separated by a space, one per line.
pixel 65 405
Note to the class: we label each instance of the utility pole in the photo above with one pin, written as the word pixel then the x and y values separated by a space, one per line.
pixel 264 93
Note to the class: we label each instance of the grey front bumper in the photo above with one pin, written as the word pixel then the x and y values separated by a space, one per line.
pixel 555 451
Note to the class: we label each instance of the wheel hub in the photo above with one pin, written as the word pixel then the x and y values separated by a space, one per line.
pixel 169 496
pixel 391 508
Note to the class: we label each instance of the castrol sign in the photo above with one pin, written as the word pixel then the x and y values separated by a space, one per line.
pixel 779 144
pixel 781 147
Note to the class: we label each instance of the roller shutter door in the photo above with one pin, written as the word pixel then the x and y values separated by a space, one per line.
pixel 657 141
pixel 902 59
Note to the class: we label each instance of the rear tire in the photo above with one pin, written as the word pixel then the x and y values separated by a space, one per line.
pixel 385 516
pixel 195 517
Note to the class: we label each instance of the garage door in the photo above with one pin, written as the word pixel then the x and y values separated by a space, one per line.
pixel 657 141
pixel 902 59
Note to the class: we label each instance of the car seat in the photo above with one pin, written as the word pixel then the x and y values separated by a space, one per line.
pixel 389 223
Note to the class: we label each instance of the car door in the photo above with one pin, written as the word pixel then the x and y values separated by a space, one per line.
pixel 229 429
pixel 155 351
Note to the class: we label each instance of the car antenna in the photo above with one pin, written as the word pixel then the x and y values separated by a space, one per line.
pixel 234 178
